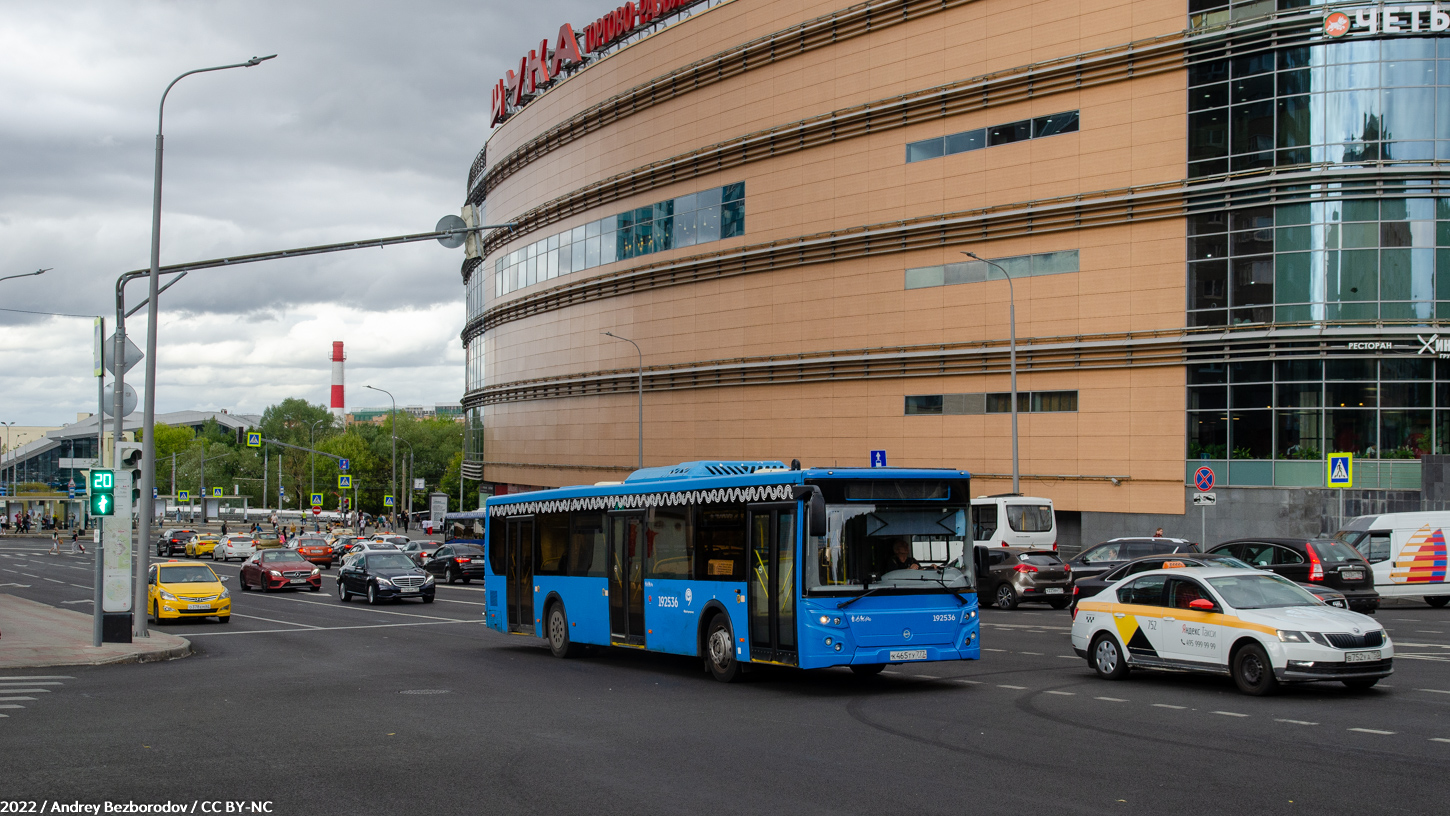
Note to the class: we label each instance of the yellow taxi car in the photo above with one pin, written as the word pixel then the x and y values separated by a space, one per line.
pixel 186 589
pixel 202 544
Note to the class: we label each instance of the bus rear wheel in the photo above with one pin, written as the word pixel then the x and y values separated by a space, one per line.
pixel 868 669
pixel 720 650
pixel 559 643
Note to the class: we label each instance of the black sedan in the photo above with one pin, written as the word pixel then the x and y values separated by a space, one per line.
pixel 1109 555
pixel 454 562
pixel 1088 587
pixel 1332 564
pixel 383 575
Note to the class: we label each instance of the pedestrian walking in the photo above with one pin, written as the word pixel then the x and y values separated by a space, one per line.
pixel 55 543
pixel 75 542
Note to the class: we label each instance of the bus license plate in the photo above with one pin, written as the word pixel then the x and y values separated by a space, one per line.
pixel 192 607
pixel 1053 590
pixel 1352 575
pixel 910 654
pixel 1361 657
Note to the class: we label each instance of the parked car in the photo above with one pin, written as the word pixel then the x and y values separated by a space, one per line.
pixel 1259 628
pixel 269 541
pixel 1406 553
pixel 173 542
pixel 201 544
pixel 186 589
pixel 456 562
pixel 233 546
pixel 315 548
pixel 1088 587
pixel 384 575
pixel 1010 576
pixel 1112 554
pixel 279 569
pixel 1334 564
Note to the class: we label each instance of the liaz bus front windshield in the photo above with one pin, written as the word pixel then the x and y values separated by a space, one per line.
pixel 889 550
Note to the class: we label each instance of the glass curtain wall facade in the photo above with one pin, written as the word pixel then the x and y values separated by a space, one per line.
pixel 1363 247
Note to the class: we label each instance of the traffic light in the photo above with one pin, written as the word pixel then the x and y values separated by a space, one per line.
pixel 103 485
pixel 131 460
pixel 346 504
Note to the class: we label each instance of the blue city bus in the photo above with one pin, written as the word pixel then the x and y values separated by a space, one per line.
pixel 701 559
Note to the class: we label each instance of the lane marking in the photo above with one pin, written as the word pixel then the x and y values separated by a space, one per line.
pixel 361 608
pixel 1063 693
pixel 1036 654
pixel 1439 739
pixel 1435 691
pixel 27 691
pixel 994 650
pixel 17 699
pixel 1174 707
pixel 972 682
pixel 29 677
pixel 1229 713
pixel 1296 722
pixel 28 575
pixel 1111 699
pixel 450 600
pixel 1070 657
pixel 1372 731
pixel 82 600
pixel 55 580
pixel 1014 688
pixel 270 620
pixel 30 682
pixel 327 629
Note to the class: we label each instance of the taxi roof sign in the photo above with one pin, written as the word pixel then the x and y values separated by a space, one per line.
pixel 1340 470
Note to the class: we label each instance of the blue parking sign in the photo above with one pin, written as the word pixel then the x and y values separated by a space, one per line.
pixel 878 458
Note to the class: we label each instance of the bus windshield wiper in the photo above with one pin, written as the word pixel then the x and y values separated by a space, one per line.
pixel 846 603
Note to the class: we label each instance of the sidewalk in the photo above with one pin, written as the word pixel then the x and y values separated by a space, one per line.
pixel 35 634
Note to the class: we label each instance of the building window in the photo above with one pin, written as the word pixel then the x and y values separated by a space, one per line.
pixel 965 141
pixel 698 218
pixel 1395 408
pixel 1036 402
pixel 1361 259
pixel 1020 266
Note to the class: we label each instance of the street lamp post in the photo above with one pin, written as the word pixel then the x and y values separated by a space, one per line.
pixel 1012 356
pixel 640 387
pixel 395 450
pixel 408 486
pixel 148 420
pixel 11 469
pixel 312 443
pixel 27 274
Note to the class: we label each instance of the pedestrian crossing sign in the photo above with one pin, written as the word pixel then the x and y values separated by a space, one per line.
pixel 216 492
pixel 183 495
pixel 1341 470
pixel 344 481
pixel 254 439
pixel 316 499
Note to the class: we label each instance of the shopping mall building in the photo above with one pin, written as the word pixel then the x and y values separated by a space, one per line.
pixel 1221 223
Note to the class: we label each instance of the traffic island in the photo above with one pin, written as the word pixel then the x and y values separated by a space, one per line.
pixel 35 634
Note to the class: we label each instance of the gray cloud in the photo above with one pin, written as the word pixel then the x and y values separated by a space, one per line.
pixel 364 126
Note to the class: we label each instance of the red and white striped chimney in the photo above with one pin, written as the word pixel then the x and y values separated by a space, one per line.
pixel 337 396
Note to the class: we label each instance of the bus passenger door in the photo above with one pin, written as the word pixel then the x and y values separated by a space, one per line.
pixel 626 578
pixel 520 542
pixel 772 578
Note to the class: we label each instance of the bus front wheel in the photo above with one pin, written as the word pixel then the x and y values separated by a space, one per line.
pixel 559 643
pixel 720 651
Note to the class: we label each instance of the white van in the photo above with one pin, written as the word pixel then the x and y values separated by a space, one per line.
pixel 1013 520
pixel 1406 551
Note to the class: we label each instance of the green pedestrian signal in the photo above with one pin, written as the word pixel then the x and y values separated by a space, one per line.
pixel 103 481
pixel 103 504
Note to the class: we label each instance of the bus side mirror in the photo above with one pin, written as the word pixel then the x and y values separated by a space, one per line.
pixel 815 508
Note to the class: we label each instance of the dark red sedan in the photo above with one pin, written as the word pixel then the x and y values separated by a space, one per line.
pixel 279 569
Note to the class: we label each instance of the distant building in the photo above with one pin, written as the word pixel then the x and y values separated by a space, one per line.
pixel 14 436
pixel 377 416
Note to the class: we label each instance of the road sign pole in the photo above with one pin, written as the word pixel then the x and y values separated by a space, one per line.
pixel 1203 525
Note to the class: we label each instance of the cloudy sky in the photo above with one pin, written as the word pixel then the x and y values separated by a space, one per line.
pixel 363 127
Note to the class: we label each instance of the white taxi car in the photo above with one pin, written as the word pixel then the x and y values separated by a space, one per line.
pixel 240 547
pixel 1259 628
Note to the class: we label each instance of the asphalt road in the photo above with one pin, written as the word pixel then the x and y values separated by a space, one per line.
pixel 322 707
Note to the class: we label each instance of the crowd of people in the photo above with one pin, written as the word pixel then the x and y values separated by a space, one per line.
pixel 23 522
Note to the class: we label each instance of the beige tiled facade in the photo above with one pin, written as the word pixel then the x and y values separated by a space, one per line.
pixel 1130 418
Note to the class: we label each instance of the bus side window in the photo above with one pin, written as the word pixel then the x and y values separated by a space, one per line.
pixel 668 549
pixel 553 545
pixel 586 545
pixel 984 521
pixel 1375 547
pixel 720 544
pixel 497 535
